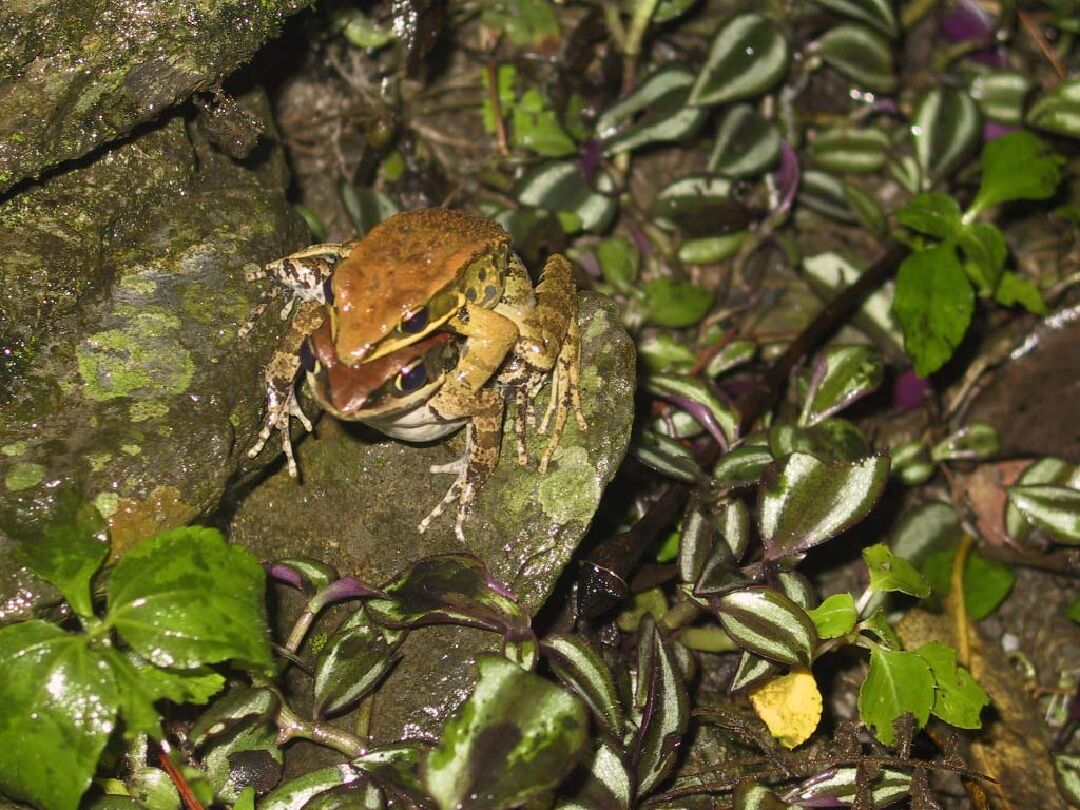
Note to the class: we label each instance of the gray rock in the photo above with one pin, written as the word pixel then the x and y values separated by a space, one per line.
pixel 77 74
pixel 362 496
pixel 123 377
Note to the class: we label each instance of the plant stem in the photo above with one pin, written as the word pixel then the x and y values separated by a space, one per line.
pixel 291 726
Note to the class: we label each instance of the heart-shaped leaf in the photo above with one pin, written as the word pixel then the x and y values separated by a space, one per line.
pixel 946 127
pixel 804 501
pixel 1053 471
pixel 853 151
pixel 662 114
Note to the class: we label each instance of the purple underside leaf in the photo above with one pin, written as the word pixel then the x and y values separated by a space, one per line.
pixel 704 417
pixel 285 574
pixel 787 177
pixel 967 22
pixel 346 588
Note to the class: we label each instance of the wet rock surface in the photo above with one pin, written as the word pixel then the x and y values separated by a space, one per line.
pixel 362 496
pixel 123 375
pixel 75 75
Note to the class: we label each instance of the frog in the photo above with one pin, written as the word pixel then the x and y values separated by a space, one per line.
pixel 418 274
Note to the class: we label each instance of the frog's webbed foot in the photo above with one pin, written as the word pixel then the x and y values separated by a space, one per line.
pixel 280 408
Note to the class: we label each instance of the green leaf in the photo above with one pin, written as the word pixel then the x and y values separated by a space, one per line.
pixel 528 23
pixel 59 708
pixel 752 669
pixel 619 262
pixel 352 663
pixel 986 582
pixel 897 683
pixel 515 738
pixel 69 551
pixel 139 685
pixel 842 375
pixel 1058 110
pixel 933 302
pixel 947 128
pixel 667 456
pixel 715 414
pixel 972 442
pixel 506 88
pixel 447 588
pixel 1073 611
pixel 985 251
pixel 665 713
pixel 1017 166
pixel 396 769
pixel 1053 471
pixel 1014 289
pixel 958 699
pixel 804 501
pixel 153 789
pixel 536 127
pixel 743 466
pixel 891 573
pixel 1001 94
pixel 1053 509
pixel 849 150
pixel 841 787
pixel 748 58
pixel 559 186
pixel 861 54
pixel 878 13
pixel 186 598
pixel 296 793
pixel 578 666
pixel 746 144
pixel 699 205
pixel 768 624
pixel 932 213
pixel 835 616
pixel 607 784
pixel 675 303
pixel 656 111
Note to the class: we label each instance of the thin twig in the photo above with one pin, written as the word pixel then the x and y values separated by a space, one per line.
pixel 1048 52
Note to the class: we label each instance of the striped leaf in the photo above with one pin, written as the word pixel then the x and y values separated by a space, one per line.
pixel 747 59
pixel 607 783
pixel 1053 509
pixel 542 730
pixel 947 128
pixel 752 796
pixel 1000 95
pixel 396 769
pixel 878 13
pixel 831 440
pixel 352 663
pixel 747 143
pixel 296 793
pixel 742 467
pixel 972 442
pixel 699 205
pixel 696 537
pixel 861 54
pixel 733 526
pixel 752 669
pixel 655 112
pixel 581 670
pixel 559 185
pixel 804 501
pixel 828 195
pixel 797 588
pixel 668 457
pixel 1058 110
pixel 842 375
pixel 711 411
pixel 842 784
pixel 852 151
pixel 735 353
pixel 711 249
pixel 1051 471
pixel 767 623
pixel 666 711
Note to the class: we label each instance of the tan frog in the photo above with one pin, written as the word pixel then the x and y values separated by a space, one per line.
pixel 421 274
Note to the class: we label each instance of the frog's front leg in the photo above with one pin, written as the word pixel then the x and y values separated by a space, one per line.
pixel 303 275
pixel 482 439
pixel 281 373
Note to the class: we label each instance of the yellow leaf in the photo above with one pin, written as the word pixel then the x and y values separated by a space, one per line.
pixel 790 706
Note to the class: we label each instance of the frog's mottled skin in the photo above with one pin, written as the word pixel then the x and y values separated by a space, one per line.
pixel 419 274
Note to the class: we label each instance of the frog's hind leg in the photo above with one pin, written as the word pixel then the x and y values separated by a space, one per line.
pixel 565 393
pixel 482 440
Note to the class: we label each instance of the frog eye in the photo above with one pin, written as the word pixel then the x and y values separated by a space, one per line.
pixel 412 379
pixel 415 322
